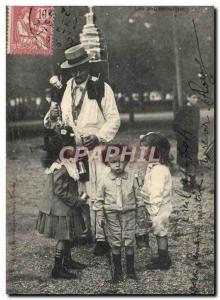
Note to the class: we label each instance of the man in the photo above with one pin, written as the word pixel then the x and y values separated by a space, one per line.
pixel 88 106
pixel 186 126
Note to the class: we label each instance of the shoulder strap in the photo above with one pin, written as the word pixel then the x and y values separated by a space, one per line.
pixel 52 183
pixel 96 90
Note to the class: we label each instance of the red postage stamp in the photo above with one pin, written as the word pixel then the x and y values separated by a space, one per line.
pixel 30 30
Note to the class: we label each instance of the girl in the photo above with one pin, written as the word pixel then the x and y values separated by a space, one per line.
pixel 59 217
pixel 157 193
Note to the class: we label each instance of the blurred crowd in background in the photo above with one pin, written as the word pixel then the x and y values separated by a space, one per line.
pixel 34 108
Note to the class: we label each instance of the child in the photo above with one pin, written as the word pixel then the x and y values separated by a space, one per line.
pixel 157 193
pixel 59 217
pixel 117 207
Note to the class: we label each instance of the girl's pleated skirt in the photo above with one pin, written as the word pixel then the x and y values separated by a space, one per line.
pixel 60 227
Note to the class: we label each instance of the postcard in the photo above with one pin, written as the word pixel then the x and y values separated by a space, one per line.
pixel 110 118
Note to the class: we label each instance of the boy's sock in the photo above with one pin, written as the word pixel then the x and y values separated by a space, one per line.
pixel 117 268
pixel 130 266
pixel 164 259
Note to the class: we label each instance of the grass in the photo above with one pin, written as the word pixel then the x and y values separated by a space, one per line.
pixel 30 256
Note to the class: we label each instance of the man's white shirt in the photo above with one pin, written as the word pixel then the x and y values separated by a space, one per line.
pixel 91 120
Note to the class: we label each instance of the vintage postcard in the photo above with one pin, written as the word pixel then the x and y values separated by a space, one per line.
pixel 111 150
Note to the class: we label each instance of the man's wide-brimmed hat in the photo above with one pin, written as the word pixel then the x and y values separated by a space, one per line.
pixel 75 56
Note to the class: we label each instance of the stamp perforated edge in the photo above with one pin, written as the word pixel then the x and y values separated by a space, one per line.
pixel 8 29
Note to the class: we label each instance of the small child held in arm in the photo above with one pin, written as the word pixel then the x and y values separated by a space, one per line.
pixel 118 209
pixel 157 194
pixel 59 217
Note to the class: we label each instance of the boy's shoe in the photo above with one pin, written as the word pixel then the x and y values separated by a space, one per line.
pixel 132 276
pixel 117 277
pixel 101 248
pixel 163 262
pixel 165 265
pixel 130 267
pixel 72 264
pixel 60 272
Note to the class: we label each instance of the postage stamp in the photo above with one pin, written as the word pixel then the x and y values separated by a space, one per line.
pixel 30 30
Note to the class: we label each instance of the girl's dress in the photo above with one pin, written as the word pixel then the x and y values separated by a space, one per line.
pixel 59 217
pixel 157 196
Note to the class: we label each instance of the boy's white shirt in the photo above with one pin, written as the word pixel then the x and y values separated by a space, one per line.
pixel 157 187
pixel 101 197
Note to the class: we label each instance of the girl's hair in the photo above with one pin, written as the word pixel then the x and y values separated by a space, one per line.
pixel 57 142
pixel 161 143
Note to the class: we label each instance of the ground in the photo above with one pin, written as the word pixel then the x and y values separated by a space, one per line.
pixel 30 256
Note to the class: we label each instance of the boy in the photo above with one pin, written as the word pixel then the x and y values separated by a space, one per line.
pixel 118 209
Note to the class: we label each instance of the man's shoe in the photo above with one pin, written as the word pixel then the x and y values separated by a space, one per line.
pixel 62 273
pixel 101 248
pixel 72 264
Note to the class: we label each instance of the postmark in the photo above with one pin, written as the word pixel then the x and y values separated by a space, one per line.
pixel 30 30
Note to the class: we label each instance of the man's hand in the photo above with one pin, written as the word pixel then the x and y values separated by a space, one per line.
pixel 90 141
